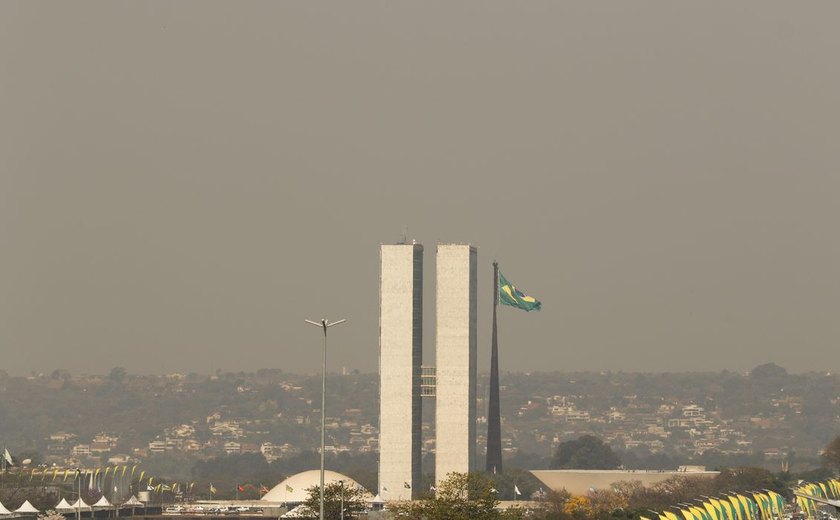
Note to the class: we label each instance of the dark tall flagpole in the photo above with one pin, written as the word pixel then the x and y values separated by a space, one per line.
pixel 494 420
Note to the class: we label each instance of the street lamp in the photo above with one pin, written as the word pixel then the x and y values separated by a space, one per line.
pixel 79 501
pixel 324 324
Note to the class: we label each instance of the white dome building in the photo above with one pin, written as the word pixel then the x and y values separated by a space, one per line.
pixel 294 489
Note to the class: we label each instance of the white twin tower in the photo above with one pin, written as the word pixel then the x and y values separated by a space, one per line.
pixel 400 371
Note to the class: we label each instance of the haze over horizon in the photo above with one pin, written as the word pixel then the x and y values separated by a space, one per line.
pixel 483 374
pixel 182 184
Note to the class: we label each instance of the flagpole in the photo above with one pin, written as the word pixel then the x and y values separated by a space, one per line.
pixel 494 421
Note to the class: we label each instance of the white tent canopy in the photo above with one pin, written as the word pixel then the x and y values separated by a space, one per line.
pixel 103 502
pixel 79 504
pixel 64 506
pixel 4 511
pixel 133 502
pixel 26 507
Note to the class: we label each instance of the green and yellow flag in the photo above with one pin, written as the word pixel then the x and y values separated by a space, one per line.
pixel 719 508
pixel 778 503
pixel 710 509
pixel 700 513
pixel 510 295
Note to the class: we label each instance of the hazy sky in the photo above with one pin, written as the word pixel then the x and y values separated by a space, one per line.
pixel 182 183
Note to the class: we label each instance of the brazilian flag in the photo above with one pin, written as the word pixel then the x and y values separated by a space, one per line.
pixel 510 295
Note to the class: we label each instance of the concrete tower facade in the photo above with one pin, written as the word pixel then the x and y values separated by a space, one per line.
pixel 400 357
pixel 455 408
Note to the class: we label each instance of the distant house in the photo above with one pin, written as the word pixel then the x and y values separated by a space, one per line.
pixel 693 410
pixel 118 459
pixel 249 447
pixel 81 450
pixel 100 447
pixel 157 446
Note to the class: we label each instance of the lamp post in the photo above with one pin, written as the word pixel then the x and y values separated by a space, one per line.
pixel 324 324
pixel 79 500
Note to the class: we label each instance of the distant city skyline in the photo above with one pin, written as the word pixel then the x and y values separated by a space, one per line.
pixel 181 184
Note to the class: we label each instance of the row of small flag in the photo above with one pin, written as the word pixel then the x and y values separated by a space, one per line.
pixel 241 488
pixel 764 505
pixel 830 489
pixel 406 485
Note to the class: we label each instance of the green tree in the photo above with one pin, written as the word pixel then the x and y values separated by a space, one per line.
pixel 586 452
pixel 555 504
pixel 35 457
pixel 746 479
pixel 461 496
pixel 831 454
pixel 117 374
pixel 768 371
pixel 337 495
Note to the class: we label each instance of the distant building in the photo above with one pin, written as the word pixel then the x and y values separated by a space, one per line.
pixel 157 446
pixel 268 451
pixel 81 450
pixel 119 458
pixel 249 447
pixel 693 410
pixel 580 482
pixel 233 448
pixel 59 443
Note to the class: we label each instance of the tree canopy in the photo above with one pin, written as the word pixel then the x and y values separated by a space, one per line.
pixel 340 501
pixel 461 496
pixel 585 452
pixel 831 454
